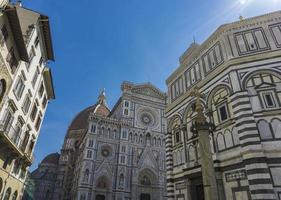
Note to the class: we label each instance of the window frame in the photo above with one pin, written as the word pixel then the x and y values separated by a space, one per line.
pixel 89 154
pixel 38 122
pixel 263 100
pixel 25 107
pixel 220 105
pixel 35 77
pixel 123 132
pixel 35 111
pixel 18 89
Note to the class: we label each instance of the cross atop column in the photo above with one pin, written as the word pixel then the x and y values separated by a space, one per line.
pixel 200 118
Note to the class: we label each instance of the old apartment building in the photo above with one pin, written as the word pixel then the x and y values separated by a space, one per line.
pixel 25 90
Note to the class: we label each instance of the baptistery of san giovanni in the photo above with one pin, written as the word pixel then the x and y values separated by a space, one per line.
pixel 119 153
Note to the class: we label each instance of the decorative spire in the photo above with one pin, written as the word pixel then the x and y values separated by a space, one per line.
pixel 102 97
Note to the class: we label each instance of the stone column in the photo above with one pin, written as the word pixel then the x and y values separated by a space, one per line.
pixel 207 165
pixel 202 128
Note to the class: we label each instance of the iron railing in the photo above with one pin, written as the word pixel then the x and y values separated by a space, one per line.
pixel 13 134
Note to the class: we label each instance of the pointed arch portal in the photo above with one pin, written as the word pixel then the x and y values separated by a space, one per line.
pixel 145 196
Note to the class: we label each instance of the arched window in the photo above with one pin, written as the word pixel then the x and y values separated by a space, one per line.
pixel 219 105
pixel 154 141
pixel 228 138
pixel 130 136
pixel 220 142
pixel 191 153
pixel 276 127
pixel 86 176
pixel 7 194
pixel 189 116
pixel 15 195
pixel 109 133
pixel 115 135
pixel 136 138
pixel 263 85
pixel 159 141
pixel 121 180
pixel 261 78
pixel 174 128
pixel 235 137
pixel 16 167
pixel 264 130
pixel 141 139
pixel 177 137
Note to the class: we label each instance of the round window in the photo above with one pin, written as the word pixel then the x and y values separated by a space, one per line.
pixel 146 119
pixel 105 151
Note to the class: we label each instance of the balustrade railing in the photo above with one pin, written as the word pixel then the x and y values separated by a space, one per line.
pixel 14 136
pixel 13 133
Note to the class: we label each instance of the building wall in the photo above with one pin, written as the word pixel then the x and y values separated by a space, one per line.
pixel 242 69
pixel 19 132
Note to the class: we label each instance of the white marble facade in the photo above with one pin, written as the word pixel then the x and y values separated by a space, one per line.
pixel 119 154
pixel 237 70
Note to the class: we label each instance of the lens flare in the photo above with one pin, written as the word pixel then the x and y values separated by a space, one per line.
pixel 243 1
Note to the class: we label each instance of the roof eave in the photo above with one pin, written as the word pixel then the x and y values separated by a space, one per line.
pixel 17 32
pixel 46 31
pixel 47 75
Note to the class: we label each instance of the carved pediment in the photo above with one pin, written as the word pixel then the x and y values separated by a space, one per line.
pixel 147 159
pixel 265 85
pixel 148 90
pixel 104 168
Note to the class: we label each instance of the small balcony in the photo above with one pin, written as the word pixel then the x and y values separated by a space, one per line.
pixel 11 140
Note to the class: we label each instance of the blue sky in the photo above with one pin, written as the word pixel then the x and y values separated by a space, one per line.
pixel 100 43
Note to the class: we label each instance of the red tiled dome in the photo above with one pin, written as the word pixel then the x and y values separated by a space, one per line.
pixel 80 122
pixel 81 119
pixel 51 159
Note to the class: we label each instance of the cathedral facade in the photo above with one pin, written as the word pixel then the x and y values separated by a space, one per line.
pixel 237 71
pixel 116 154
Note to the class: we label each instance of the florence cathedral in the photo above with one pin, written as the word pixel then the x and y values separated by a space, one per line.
pixel 116 154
